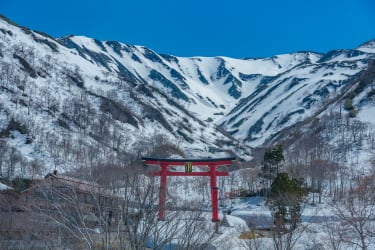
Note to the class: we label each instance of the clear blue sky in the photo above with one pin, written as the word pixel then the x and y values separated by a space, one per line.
pixel 235 28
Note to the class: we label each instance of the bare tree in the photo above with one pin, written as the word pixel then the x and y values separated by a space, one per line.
pixel 356 213
pixel 333 233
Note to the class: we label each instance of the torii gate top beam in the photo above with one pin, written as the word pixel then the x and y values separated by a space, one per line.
pixel 196 162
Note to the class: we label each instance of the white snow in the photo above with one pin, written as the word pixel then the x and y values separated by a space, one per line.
pixel 368 47
pixel 367 114
pixel 4 187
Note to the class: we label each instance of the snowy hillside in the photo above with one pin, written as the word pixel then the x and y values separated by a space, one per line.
pixel 77 101
pixel 252 99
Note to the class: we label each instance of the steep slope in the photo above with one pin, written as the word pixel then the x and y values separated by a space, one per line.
pixel 252 99
pixel 60 108
pixel 77 101
pixel 294 95
pixel 209 85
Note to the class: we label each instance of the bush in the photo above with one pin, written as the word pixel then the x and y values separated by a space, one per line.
pixel 285 201
pixel 21 184
pixel 348 105
pixel 352 113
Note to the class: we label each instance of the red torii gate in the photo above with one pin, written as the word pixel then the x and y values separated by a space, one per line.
pixel 212 163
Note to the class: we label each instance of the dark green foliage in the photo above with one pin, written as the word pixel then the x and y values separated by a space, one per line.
pixel 348 105
pixel 271 161
pixel 285 201
pixel 274 155
pixel 283 185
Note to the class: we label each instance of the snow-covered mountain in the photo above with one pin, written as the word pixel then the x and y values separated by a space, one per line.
pixel 78 101
pixel 252 98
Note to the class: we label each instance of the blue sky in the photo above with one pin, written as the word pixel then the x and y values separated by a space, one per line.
pixel 234 28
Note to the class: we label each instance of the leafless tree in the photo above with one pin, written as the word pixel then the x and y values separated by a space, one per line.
pixel 3 150
pixel 333 233
pixel 356 212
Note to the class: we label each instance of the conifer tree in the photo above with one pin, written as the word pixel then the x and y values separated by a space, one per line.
pixel 273 157
pixel 285 201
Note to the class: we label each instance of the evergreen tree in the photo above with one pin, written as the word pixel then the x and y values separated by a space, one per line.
pixel 285 201
pixel 273 157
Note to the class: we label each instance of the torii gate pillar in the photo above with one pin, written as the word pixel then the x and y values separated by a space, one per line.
pixel 164 164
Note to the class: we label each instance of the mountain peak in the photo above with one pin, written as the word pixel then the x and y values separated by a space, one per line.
pixel 92 88
pixel 368 47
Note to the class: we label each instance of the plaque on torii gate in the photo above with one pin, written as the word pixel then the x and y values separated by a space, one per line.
pixel 212 164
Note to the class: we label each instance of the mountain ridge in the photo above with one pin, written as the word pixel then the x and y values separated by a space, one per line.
pixel 90 93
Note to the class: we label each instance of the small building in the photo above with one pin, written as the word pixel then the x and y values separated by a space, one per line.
pixel 75 196
pixel 55 210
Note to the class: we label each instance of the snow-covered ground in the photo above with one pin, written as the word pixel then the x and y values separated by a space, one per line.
pixel 253 215
pixel 4 187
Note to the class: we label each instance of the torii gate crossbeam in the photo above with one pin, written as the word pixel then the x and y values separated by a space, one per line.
pixel 164 164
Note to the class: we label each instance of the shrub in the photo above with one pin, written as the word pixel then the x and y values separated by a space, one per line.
pixel 348 104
